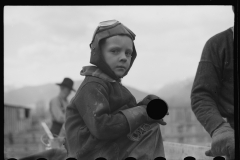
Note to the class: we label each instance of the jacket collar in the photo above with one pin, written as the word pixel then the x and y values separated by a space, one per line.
pixel 95 72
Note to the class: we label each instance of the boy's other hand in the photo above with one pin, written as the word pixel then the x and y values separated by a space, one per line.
pixel 147 99
pixel 57 142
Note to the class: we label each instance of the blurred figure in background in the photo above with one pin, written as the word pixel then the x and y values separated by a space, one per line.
pixel 58 106
pixel 212 96
pixel 57 109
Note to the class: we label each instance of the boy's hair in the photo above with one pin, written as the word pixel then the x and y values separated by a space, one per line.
pixel 100 35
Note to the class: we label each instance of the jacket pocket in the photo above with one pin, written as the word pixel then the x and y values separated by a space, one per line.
pixel 139 132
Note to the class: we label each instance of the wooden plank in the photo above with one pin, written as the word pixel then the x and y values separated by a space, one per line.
pixel 178 151
pixel 173 151
pixel 185 135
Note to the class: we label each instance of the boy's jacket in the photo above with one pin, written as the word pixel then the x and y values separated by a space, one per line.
pixel 101 115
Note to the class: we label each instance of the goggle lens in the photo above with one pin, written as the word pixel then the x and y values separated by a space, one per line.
pixel 104 24
pixel 107 23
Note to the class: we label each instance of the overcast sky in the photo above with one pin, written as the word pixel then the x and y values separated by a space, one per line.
pixel 44 44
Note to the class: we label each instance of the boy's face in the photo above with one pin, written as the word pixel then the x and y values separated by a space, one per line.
pixel 117 51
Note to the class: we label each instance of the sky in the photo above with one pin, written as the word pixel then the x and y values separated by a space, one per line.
pixel 44 44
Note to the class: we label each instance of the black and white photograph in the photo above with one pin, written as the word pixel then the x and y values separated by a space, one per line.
pixel 119 82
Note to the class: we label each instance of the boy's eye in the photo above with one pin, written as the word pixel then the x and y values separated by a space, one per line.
pixel 129 54
pixel 114 51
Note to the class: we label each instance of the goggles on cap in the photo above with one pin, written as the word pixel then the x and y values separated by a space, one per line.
pixel 104 25
pixel 107 23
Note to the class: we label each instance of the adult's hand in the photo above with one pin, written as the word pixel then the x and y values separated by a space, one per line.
pixel 223 143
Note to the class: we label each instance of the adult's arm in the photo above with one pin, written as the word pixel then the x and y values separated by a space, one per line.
pixel 206 87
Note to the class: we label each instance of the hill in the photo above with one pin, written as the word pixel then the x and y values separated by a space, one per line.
pixel 177 94
pixel 29 96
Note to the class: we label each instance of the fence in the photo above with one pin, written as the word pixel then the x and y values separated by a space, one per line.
pixel 183 127
pixel 16 119
pixel 177 151
pixel 24 143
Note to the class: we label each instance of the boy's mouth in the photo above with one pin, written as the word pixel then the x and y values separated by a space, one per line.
pixel 121 67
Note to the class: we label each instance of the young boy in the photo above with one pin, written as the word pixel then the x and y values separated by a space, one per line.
pixel 104 119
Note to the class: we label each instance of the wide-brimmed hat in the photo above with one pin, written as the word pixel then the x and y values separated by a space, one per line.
pixel 67 82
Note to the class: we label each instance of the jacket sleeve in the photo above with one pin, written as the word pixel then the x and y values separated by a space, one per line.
pixel 206 87
pixel 93 105
pixel 135 117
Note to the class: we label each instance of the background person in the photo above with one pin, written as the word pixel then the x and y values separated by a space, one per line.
pixel 58 104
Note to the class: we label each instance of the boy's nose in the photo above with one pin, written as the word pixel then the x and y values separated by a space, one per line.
pixel 123 57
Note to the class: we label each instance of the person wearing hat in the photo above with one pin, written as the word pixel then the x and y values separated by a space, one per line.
pixel 58 106
pixel 212 95
pixel 103 118
pixel 57 109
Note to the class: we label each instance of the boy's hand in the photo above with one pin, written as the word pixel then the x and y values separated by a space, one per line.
pixel 150 120
pixel 145 102
pixel 147 99
pixel 57 142
pixel 223 143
